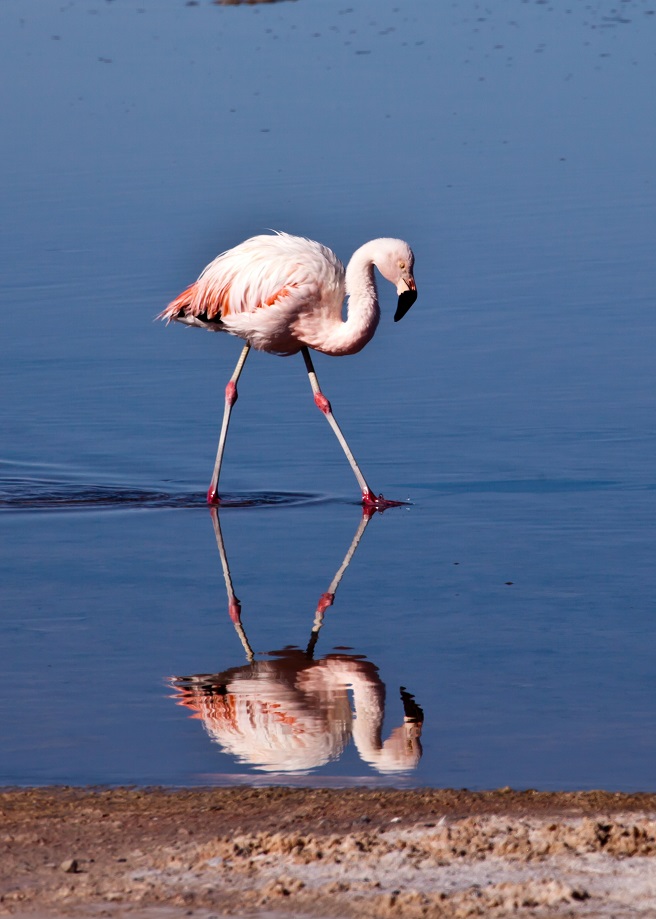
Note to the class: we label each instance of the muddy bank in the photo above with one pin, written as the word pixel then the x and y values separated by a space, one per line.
pixel 330 853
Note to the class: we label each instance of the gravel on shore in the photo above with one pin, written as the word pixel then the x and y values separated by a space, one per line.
pixel 164 854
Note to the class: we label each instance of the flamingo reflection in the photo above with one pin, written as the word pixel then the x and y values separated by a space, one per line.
pixel 293 712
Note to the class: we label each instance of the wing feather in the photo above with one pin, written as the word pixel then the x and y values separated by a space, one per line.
pixel 259 273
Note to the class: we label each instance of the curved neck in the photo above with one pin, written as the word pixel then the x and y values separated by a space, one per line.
pixel 360 281
pixel 362 310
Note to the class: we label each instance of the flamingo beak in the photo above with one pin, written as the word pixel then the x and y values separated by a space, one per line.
pixel 407 291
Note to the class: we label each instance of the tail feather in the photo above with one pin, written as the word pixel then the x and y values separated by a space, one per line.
pixel 196 306
pixel 180 306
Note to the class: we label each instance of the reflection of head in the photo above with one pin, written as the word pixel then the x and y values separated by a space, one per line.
pixel 293 714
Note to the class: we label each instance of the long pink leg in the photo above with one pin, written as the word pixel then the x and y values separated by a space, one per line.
pixel 368 497
pixel 328 598
pixel 230 399
pixel 234 606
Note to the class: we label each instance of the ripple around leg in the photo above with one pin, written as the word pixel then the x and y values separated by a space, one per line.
pixel 25 494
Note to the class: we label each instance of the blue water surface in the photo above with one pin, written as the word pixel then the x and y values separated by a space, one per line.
pixel 497 630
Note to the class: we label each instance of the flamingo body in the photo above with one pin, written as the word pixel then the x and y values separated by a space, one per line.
pixel 262 289
pixel 285 294
pixel 281 293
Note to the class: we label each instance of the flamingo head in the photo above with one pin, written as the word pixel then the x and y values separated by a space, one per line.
pixel 395 261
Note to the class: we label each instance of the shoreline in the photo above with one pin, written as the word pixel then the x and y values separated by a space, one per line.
pixel 356 852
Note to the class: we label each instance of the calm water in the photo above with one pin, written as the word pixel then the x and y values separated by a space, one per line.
pixel 500 629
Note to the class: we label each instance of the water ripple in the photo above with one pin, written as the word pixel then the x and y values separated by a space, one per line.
pixel 20 494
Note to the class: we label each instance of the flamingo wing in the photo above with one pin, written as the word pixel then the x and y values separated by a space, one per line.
pixel 262 272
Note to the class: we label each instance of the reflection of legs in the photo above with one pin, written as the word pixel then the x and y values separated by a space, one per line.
pixel 322 403
pixel 326 599
pixel 234 606
pixel 230 399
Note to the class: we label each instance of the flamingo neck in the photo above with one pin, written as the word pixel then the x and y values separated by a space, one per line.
pixel 362 310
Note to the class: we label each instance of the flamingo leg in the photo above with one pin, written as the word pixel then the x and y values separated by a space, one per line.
pixel 368 497
pixel 234 606
pixel 230 399
pixel 328 598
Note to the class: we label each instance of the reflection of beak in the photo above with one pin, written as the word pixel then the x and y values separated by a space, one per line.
pixel 407 291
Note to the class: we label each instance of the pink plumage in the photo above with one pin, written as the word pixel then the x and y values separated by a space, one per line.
pixel 285 294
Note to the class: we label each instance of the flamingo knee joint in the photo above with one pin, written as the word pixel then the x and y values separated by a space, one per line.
pixel 231 393
pixel 322 403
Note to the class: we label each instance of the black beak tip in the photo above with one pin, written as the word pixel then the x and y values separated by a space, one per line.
pixel 406 299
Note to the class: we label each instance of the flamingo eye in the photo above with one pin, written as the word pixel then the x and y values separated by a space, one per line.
pixel 401 264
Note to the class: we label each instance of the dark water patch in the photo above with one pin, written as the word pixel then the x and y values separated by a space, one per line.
pixel 235 2
pixel 38 495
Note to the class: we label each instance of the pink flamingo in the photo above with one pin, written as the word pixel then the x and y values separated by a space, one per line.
pixel 284 294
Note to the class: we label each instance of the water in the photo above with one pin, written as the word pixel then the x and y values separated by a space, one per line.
pixel 514 405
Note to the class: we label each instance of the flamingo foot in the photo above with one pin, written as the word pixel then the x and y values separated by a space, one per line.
pixel 213 497
pixel 372 502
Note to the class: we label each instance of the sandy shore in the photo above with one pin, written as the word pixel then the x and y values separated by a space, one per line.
pixel 325 853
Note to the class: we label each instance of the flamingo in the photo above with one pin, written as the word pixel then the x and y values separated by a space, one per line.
pixel 284 294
